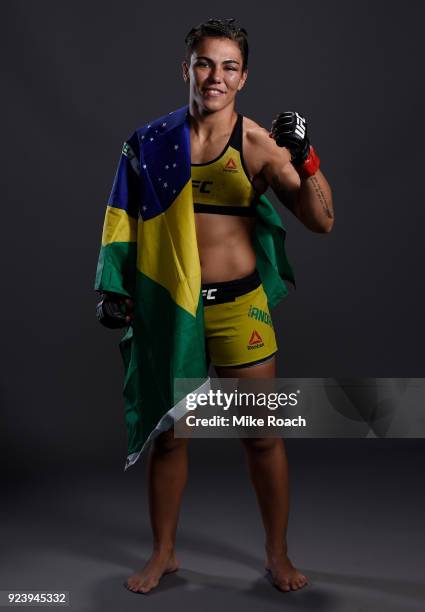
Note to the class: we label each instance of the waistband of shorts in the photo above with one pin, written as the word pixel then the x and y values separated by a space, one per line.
pixel 228 291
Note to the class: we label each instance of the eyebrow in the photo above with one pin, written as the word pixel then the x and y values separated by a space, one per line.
pixel 230 61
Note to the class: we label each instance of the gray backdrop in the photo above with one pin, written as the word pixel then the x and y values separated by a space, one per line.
pixel 80 77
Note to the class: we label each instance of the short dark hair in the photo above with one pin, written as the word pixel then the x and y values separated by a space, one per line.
pixel 220 28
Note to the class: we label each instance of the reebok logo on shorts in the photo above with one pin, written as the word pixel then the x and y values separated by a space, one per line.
pixel 260 315
pixel 255 341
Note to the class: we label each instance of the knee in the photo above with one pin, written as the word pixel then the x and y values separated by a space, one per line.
pixel 166 443
pixel 261 445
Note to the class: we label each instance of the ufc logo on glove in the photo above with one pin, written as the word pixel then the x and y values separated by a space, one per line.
pixel 300 125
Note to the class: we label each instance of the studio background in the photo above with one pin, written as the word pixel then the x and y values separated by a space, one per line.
pixel 78 78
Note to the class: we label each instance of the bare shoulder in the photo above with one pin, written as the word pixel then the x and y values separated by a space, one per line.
pixel 257 138
pixel 260 149
pixel 253 132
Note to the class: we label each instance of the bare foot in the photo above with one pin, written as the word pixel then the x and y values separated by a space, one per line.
pixel 284 575
pixel 149 577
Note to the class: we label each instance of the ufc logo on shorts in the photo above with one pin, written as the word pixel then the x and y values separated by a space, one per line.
pixel 208 293
pixel 300 125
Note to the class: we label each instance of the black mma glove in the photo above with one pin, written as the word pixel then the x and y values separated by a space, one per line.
pixel 111 311
pixel 289 130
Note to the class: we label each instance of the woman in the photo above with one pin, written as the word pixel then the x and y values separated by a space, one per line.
pixel 234 160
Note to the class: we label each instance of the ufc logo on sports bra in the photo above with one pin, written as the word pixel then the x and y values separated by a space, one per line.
pixel 208 293
pixel 202 186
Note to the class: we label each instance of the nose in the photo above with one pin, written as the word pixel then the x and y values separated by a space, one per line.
pixel 217 74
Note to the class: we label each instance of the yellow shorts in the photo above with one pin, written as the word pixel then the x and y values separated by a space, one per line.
pixel 238 327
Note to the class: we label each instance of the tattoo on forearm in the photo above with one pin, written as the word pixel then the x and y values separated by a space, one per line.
pixel 285 196
pixel 321 196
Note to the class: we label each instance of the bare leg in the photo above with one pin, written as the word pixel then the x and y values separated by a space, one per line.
pixel 167 477
pixel 268 469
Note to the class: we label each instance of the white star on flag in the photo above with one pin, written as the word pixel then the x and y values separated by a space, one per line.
pixel 176 147
pixel 164 124
pixel 165 185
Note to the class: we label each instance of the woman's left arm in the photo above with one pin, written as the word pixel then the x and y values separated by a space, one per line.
pixel 314 203
pixel 301 187
pixel 309 199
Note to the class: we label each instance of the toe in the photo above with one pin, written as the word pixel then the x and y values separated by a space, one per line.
pixel 284 586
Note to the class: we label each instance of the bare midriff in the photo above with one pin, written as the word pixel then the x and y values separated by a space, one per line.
pixel 225 242
pixel 225 245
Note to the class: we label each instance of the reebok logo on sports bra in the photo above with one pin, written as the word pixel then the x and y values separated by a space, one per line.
pixel 230 166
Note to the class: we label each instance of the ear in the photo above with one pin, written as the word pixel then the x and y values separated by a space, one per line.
pixel 185 69
pixel 243 79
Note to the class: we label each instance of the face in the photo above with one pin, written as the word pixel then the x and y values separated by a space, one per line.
pixel 215 73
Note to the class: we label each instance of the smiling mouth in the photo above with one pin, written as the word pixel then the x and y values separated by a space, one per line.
pixel 213 92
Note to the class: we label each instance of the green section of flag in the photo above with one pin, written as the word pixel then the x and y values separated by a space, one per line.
pixel 165 342
pixel 116 268
pixel 269 244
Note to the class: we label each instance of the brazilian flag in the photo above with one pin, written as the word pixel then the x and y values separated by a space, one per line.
pixel 149 253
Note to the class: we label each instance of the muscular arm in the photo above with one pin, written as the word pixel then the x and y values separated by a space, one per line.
pixel 310 200
pixel 311 203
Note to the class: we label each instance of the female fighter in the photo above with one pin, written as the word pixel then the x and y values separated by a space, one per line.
pixel 234 160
